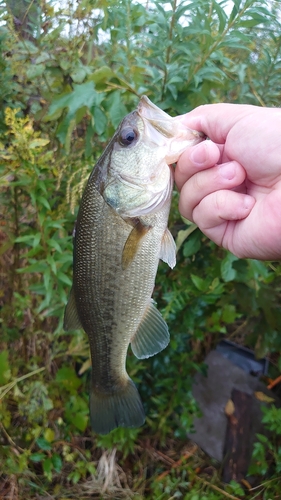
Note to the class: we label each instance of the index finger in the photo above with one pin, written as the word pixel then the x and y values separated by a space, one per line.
pixel 199 157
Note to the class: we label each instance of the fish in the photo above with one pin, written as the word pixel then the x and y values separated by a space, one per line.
pixel 121 232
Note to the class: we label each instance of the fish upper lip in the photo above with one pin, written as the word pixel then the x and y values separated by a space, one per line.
pixel 160 120
pixel 164 123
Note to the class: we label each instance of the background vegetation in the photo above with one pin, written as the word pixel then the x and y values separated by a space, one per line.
pixel 69 71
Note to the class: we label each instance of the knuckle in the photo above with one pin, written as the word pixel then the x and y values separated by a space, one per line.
pixel 199 182
pixel 220 200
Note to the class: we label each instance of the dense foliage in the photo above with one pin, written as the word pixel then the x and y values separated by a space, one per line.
pixel 69 72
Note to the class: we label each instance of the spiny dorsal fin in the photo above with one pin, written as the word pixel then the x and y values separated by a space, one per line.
pixel 168 249
pixel 152 335
pixel 133 242
pixel 71 319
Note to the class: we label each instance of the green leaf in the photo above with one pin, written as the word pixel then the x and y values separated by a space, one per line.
pixel 52 263
pixel 183 235
pixel 75 476
pixel 37 457
pixel 221 15
pixel 47 468
pixel 29 238
pixel 36 240
pixel 102 74
pixel 262 438
pixel 193 244
pixel 116 108
pixel 227 271
pixel 82 95
pixel 43 444
pixel 100 120
pixel 78 75
pixel 77 412
pixel 49 435
pixel 35 70
pixel 79 420
pixel 200 283
pixel 57 462
pixel 68 378
pixel 44 202
pixel 44 56
pixel 64 278
pixel 229 313
pixel 38 143
pixel 54 244
pixel 64 132
pixel 250 23
pixel 5 371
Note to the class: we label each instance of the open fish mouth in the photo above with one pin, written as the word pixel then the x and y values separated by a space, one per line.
pixel 159 120
pixel 166 131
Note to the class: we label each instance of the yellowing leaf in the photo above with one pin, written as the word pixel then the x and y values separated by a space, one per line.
pixel 49 435
pixel 5 372
pixel 38 143
pixel 86 365
pixel 246 484
pixel 261 396
pixel 229 408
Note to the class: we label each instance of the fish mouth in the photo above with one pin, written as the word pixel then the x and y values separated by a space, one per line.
pixel 156 117
pixel 164 130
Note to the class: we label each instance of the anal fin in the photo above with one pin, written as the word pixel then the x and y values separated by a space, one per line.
pixel 152 335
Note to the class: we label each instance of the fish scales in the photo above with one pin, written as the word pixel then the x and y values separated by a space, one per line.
pixel 103 308
pixel 121 232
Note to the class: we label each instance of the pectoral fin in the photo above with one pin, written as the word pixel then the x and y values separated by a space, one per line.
pixel 168 249
pixel 152 335
pixel 133 242
pixel 71 320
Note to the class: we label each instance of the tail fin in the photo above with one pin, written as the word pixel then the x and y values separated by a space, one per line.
pixel 122 408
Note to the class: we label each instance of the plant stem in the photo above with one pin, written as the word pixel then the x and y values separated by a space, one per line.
pixel 15 277
pixel 216 488
pixel 219 40
pixel 6 388
pixel 169 49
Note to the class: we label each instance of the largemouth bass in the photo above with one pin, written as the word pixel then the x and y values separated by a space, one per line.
pixel 121 233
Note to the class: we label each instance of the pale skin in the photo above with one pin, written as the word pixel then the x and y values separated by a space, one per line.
pixel 230 185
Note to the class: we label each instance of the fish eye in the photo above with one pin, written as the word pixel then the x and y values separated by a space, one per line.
pixel 127 136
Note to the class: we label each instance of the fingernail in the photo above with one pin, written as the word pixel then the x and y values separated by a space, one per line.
pixel 227 171
pixel 199 154
pixel 248 202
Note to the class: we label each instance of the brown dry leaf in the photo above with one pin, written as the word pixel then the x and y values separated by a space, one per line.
pixel 261 396
pixel 246 484
pixel 86 365
pixel 229 408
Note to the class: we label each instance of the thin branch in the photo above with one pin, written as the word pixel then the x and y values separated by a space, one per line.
pixel 169 48
pixel 216 488
pixel 6 388
pixel 218 41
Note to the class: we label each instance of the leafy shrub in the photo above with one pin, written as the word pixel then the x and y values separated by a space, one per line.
pixel 68 76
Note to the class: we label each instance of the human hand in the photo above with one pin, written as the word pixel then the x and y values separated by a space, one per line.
pixel 230 186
